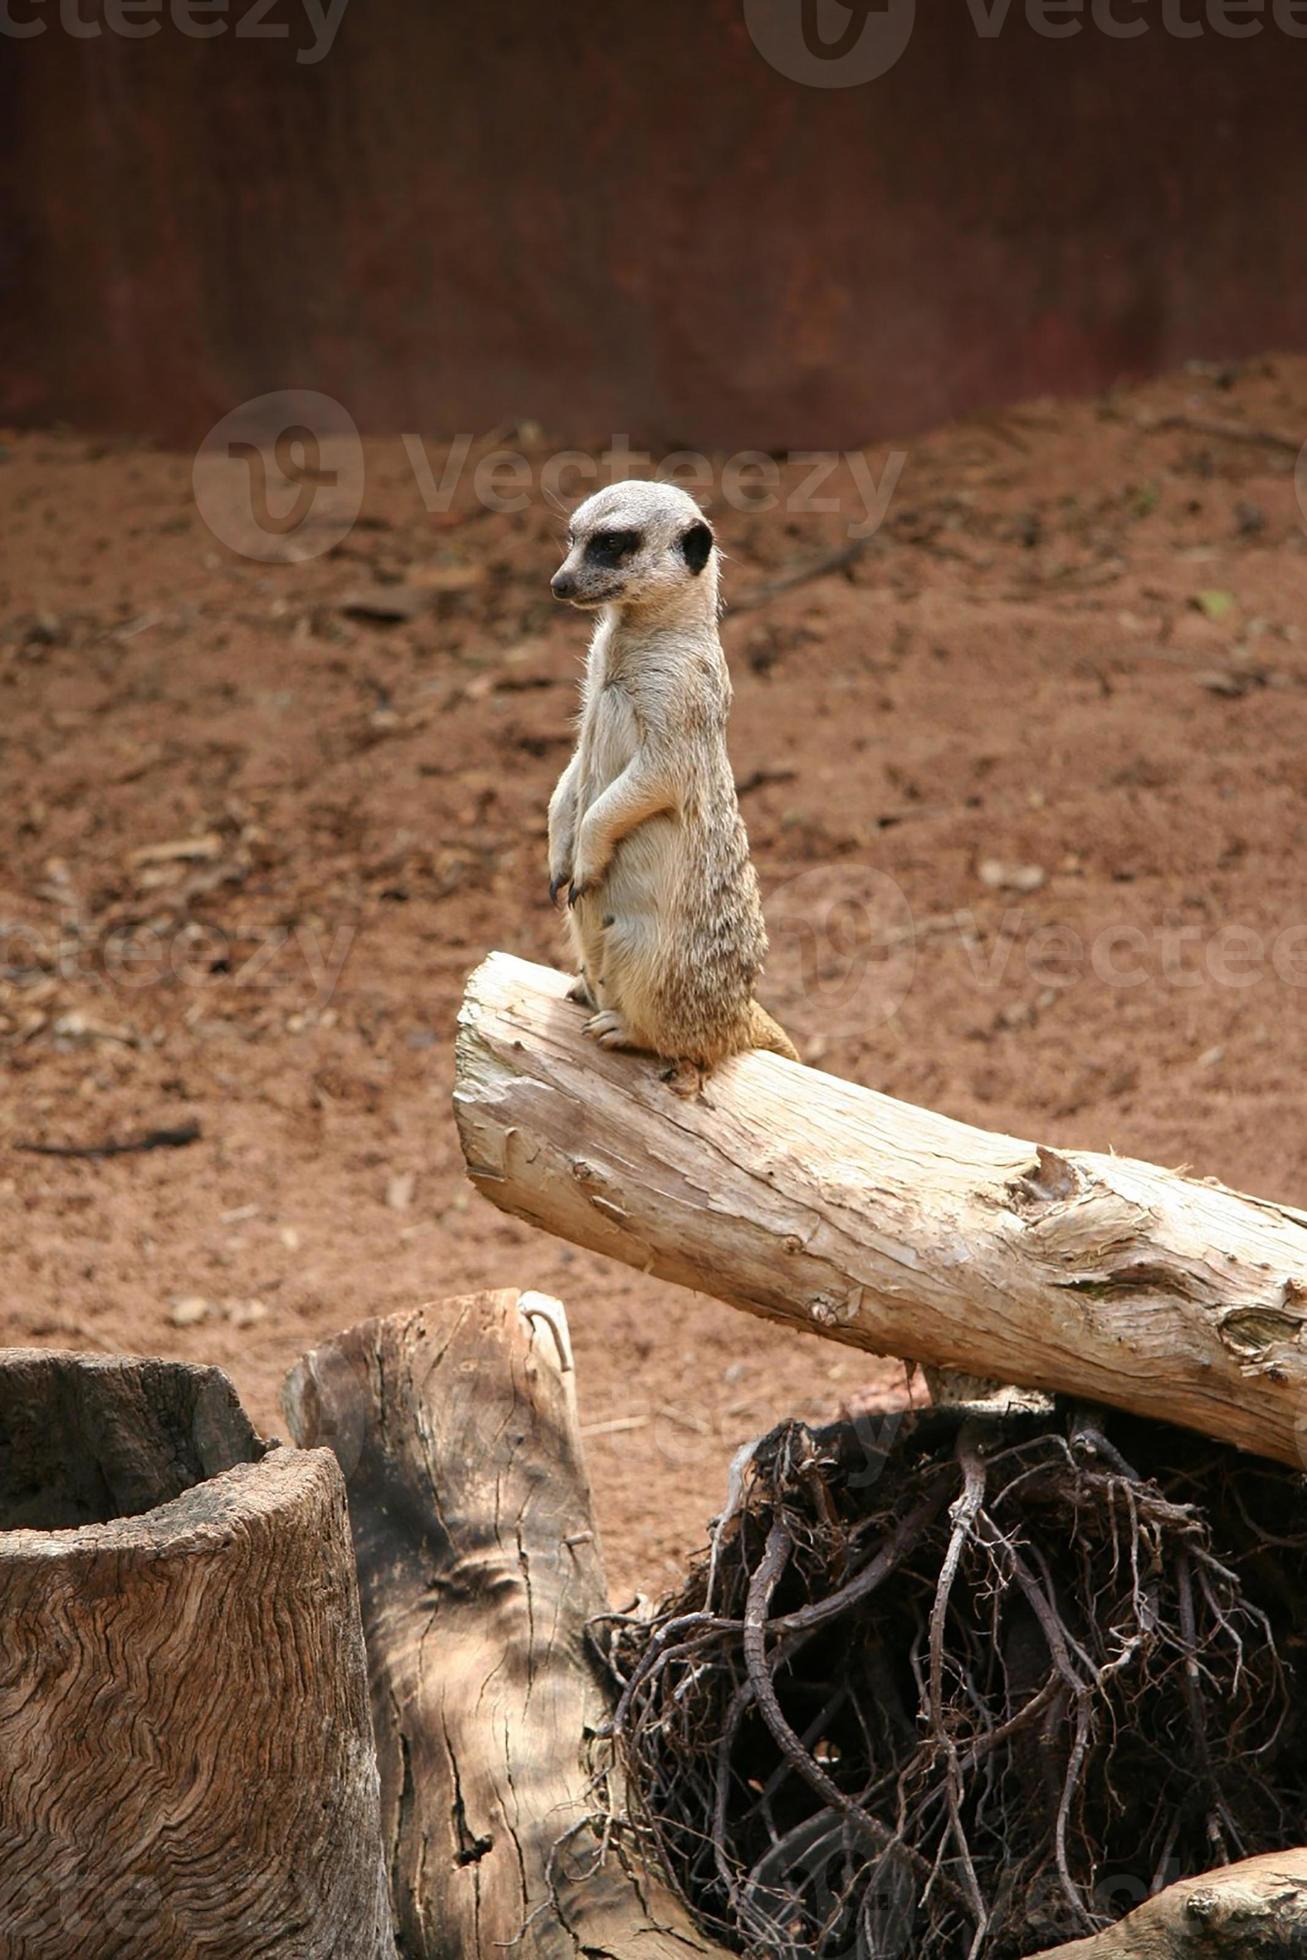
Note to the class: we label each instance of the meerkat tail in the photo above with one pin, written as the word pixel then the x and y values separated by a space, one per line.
pixel 769 1034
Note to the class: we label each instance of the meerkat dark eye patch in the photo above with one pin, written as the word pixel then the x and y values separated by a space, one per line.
pixel 696 546
pixel 610 547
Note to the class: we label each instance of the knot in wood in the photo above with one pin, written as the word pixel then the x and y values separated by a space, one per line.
pixel 586 1173
pixel 830 1310
pixel 1054 1180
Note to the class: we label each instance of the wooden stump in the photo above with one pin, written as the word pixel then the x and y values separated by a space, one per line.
pixel 186 1765
pixel 479 1569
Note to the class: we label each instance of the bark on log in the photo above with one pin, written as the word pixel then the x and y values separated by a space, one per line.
pixel 186 1763
pixel 479 1569
pixel 1256 1911
pixel 810 1200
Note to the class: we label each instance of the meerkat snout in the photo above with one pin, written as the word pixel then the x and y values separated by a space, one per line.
pixel 640 546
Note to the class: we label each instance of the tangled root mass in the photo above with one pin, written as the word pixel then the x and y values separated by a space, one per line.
pixel 971 1688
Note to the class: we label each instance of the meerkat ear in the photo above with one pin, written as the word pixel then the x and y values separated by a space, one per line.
pixel 696 545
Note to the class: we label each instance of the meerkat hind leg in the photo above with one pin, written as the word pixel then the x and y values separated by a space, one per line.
pixel 579 991
pixel 685 1078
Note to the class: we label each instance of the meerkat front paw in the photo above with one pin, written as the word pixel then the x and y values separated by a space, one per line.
pixel 589 869
pixel 609 1030
pixel 562 865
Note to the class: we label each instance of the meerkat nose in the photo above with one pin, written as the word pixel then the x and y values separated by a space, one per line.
pixel 563 585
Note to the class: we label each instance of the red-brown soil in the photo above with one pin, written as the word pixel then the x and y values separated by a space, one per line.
pixel 1076 645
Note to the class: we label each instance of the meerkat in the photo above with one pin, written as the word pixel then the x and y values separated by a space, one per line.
pixel 645 832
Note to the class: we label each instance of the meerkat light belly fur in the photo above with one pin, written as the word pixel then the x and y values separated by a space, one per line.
pixel 645 832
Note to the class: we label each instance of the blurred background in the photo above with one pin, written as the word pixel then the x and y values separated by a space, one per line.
pixel 980 331
pixel 676 220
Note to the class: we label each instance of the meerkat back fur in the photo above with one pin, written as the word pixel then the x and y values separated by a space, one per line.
pixel 645 832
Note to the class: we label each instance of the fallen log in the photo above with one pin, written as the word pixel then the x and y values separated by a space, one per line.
pixel 479 1570
pixel 1254 1911
pixel 812 1201
pixel 187 1765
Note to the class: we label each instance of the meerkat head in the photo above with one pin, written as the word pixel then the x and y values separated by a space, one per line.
pixel 646 547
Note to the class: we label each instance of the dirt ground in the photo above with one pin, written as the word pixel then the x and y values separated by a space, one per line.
pixel 1054 715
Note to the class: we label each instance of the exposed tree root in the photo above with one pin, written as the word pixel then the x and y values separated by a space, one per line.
pixel 976 1695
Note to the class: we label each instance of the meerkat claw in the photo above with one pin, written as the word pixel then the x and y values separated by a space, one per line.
pixel 684 1078
pixel 608 1029
pixel 556 886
